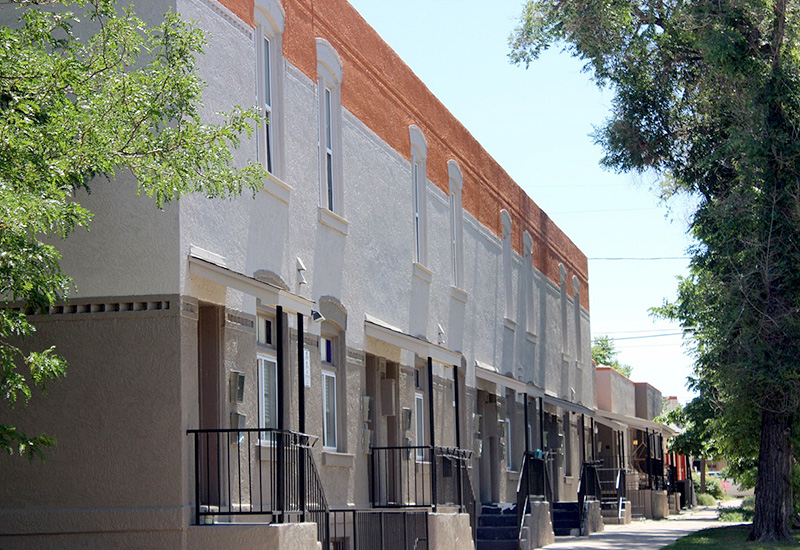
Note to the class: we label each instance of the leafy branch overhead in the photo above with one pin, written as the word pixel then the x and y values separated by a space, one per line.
pixel 82 100
pixel 707 94
pixel 604 352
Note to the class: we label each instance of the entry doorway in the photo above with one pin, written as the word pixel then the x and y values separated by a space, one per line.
pixel 490 459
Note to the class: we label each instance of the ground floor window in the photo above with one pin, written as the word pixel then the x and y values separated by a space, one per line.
pixel 268 391
pixel 329 410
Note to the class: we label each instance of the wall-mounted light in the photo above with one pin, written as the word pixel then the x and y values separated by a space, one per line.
pixel 301 269
pixel 316 316
pixel 440 333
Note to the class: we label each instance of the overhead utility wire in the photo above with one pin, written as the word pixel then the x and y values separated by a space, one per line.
pixel 640 258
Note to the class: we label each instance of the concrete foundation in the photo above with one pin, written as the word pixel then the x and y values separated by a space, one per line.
pixel 659 504
pixel 449 532
pixel 594 518
pixel 537 526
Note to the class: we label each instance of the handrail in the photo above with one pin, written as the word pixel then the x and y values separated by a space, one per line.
pixel 533 472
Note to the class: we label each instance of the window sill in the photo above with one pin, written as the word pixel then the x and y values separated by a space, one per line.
pixel 512 475
pixel 565 358
pixel 459 294
pixel 333 220
pixel 335 459
pixel 531 337
pixel 510 324
pixel 277 188
pixel 423 273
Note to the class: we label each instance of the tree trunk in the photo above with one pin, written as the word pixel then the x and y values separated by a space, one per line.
pixel 703 475
pixel 773 511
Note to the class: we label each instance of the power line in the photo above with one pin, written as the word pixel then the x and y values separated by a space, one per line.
pixel 648 336
pixel 639 258
pixel 602 211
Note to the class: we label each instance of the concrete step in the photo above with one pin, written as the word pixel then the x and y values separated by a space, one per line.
pixel 497 545
pixel 497 520
pixel 508 532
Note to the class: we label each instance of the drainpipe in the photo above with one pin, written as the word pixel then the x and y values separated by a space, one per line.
pixel 458 406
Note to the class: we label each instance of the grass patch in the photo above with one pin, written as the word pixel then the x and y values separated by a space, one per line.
pixel 728 538
pixel 744 512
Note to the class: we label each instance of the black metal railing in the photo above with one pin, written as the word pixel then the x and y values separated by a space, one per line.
pixel 257 472
pixel 469 503
pixel 418 476
pixel 352 529
pixel 589 489
pixel 612 483
pixel 534 481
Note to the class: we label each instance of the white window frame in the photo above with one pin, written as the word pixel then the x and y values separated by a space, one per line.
pixel 270 20
pixel 456 184
pixel 527 253
pixel 262 361
pixel 329 80
pixel 419 424
pixel 419 195
pixel 509 453
pixel 328 377
pixel 576 286
pixel 563 291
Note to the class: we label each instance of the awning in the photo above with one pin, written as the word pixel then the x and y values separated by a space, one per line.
pixel 490 374
pixel 636 422
pixel 269 294
pixel 380 330
pixel 568 405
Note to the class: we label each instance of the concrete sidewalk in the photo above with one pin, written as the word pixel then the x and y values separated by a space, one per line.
pixel 643 535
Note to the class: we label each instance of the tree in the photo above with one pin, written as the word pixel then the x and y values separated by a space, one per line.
pixel 604 352
pixel 74 111
pixel 707 94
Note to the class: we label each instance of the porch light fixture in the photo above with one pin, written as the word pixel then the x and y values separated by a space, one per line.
pixel 316 316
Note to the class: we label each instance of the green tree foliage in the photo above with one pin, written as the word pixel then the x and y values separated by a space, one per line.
pixel 604 352
pixel 707 94
pixel 83 99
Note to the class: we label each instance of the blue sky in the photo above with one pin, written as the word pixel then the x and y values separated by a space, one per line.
pixel 537 123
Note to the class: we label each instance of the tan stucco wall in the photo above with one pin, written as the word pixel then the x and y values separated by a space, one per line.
pixel 120 459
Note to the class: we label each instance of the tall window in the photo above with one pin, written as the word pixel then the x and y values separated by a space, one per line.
pixel 576 286
pixel 269 16
pixel 327 118
pixel 505 220
pixel 419 424
pixel 329 75
pixel 329 409
pixel 563 288
pixel 268 391
pixel 527 253
pixel 419 152
pixel 456 223
pixel 509 449
pixel 266 75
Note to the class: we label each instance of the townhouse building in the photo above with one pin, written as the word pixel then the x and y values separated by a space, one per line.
pixel 388 335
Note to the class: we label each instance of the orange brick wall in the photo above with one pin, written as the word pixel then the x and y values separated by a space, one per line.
pixel 386 95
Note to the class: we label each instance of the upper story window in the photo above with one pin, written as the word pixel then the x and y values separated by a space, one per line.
pixel 563 291
pixel 527 253
pixel 505 220
pixel 456 183
pixel 269 17
pixel 576 286
pixel 329 80
pixel 419 178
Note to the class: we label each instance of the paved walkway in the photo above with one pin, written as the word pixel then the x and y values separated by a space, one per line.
pixel 642 535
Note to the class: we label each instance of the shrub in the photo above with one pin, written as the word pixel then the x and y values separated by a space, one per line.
pixel 713 486
pixel 705 499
